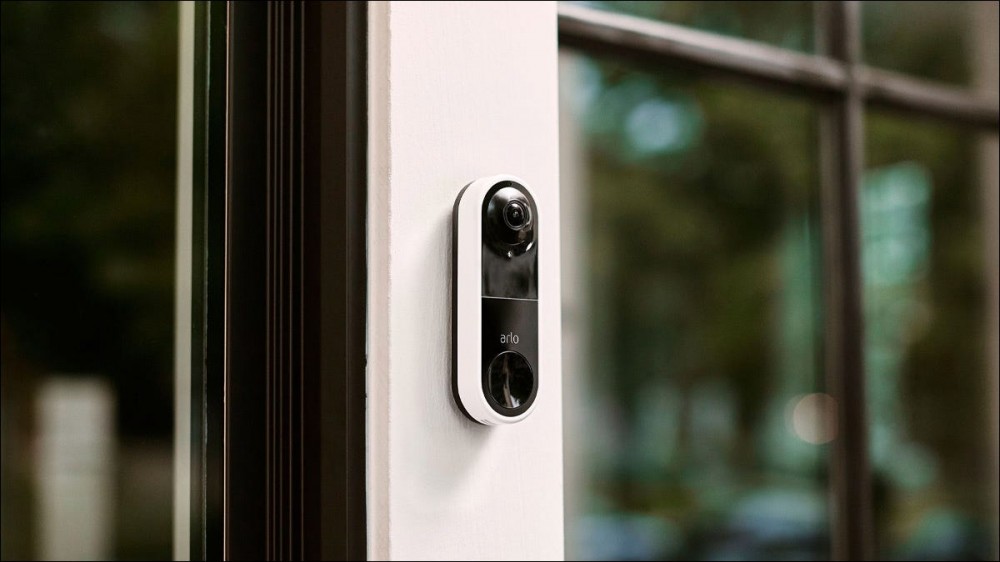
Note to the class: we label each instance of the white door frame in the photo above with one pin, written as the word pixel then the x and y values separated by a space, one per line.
pixel 457 91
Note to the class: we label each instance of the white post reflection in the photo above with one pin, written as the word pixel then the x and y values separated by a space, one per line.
pixel 75 469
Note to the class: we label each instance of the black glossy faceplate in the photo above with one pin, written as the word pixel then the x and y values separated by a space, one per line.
pixel 510 302
pixel 510 325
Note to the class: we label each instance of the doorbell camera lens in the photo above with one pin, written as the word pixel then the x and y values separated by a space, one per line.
pixel 516 215
pixel 509 224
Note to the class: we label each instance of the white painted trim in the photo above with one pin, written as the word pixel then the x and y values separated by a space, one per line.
pixel 183 279
pixel 574 213
pixel 457 91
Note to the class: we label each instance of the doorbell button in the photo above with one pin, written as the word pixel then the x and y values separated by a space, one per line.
pixel 510 381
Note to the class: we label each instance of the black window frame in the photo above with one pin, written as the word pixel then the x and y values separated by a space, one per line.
pixel 845 87
pixel 278 354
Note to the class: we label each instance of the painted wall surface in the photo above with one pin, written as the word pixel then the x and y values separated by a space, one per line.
pixel 456 91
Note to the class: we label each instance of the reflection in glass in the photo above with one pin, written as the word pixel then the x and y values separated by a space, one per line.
pixel 925 345
pixel 931 40
pixel 696 423
pixel 783 24
pixel 89 97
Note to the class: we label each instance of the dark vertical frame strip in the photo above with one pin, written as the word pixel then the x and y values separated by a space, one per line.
pixel 209 212
pixel 246 315
pixel 841 152
pixel 295 281
pixel 336 101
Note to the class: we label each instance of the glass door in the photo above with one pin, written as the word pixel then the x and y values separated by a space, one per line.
pixel 780 279
pixel 183 313
pixel 90 263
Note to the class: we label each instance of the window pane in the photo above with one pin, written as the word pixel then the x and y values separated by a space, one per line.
pixel 89 93
pixel 934 40
pixel 782 24
pixel 931 390
pixel 696 423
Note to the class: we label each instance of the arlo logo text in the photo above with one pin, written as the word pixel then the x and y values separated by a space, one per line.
pixel 509 338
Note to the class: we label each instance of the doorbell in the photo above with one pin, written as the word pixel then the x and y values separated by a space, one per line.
pixel 495 375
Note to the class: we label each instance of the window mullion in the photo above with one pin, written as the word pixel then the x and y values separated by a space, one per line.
pixel 841 146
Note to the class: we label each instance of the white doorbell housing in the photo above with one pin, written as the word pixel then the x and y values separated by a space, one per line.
pixel 495 376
